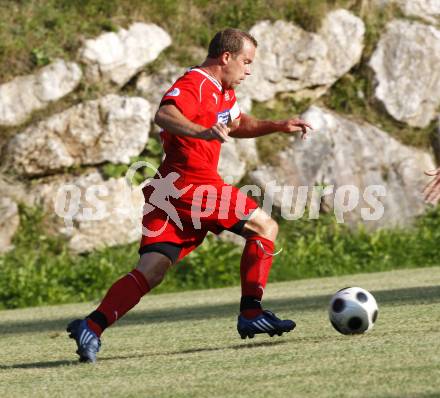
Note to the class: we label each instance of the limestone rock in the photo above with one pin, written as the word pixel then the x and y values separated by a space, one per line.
pixel 247 150
pixel 429 10
pixel 117 57
pixel 90 212
pixel 112 129
pixel 236 157
pixel 436 141
pixel 406 62
pixel 17 191
pixel 153 87
pixel 291 59
pixel 9 222
pixel 231 167
pixel 343 153
pixel 26 94
pixel 343 33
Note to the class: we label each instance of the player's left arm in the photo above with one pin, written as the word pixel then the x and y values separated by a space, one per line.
pixel 432 189
pixel 250 127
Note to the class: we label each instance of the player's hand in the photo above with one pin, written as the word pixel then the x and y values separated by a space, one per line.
pixel 294 125
pixel 432 189
pixel 218 132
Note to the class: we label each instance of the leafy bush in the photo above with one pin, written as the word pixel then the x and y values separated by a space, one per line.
pixel 40 270
pixel 324 248
pixel 152 155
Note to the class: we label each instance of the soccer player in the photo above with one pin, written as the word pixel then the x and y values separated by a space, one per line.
pixel 432 189
pixel 197 114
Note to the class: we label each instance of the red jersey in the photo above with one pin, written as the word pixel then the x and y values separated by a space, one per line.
pixel 203 101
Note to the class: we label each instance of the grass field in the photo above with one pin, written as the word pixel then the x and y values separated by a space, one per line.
pixel 186 345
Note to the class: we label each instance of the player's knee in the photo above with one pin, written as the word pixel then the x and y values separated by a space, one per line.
pixel 156 279
pixel 154 267
pixel 153 276
pixel 268 228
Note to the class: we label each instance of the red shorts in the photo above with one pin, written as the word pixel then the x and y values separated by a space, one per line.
pixel 184 219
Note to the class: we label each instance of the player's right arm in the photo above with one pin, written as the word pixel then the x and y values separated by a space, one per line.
pixel 432 189
pixel 172 120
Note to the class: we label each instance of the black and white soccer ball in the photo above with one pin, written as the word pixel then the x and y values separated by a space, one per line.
pixel 353 310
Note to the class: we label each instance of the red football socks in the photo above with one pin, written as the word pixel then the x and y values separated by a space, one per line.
pixel 121 297
pixel 255 265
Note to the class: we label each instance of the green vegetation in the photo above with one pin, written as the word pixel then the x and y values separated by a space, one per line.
pixel 283 106
pixel 185 345
pixel 353 95
pixel 40 269
pixel 151 156
pixel 33 33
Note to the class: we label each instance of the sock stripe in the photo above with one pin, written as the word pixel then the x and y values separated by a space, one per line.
pixel 140 280
pixel 137 282
pixel 123 295
pixel 260 245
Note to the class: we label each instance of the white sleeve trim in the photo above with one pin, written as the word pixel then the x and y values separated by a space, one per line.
pixel 235 111
pixel 200 90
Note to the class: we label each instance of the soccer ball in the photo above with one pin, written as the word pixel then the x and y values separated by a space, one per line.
pixel 353 310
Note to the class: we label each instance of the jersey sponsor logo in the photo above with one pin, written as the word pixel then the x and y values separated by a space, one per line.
pixel 175 92
pixel 224 117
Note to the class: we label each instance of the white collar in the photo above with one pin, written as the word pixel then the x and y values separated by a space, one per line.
pixel 212 79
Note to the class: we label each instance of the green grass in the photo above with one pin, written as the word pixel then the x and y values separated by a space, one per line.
pixel 283 106
pixel 35 32
pixel 186 345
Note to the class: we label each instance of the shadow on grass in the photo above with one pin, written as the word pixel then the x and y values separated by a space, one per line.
pixel 244 345
pixel 38 365
pixel 407 296
pixel 56 364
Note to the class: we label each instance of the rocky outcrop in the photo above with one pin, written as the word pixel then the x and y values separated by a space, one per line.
pixel 406 62
pixel 291 59
pixel 429 10
pixel 17 191
pixel 153 87
pixel 9 222
pixel 345 153
pixel 343 156
pixel 111 129
pixel 26 94
pixel 90 212
pixel 236 158
pixel 117 57
pixel 436 141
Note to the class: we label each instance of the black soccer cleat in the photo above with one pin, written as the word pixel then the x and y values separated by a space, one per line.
pixel 87 341
pixel 267 322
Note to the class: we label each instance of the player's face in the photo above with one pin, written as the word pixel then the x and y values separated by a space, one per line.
pixel 239 65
